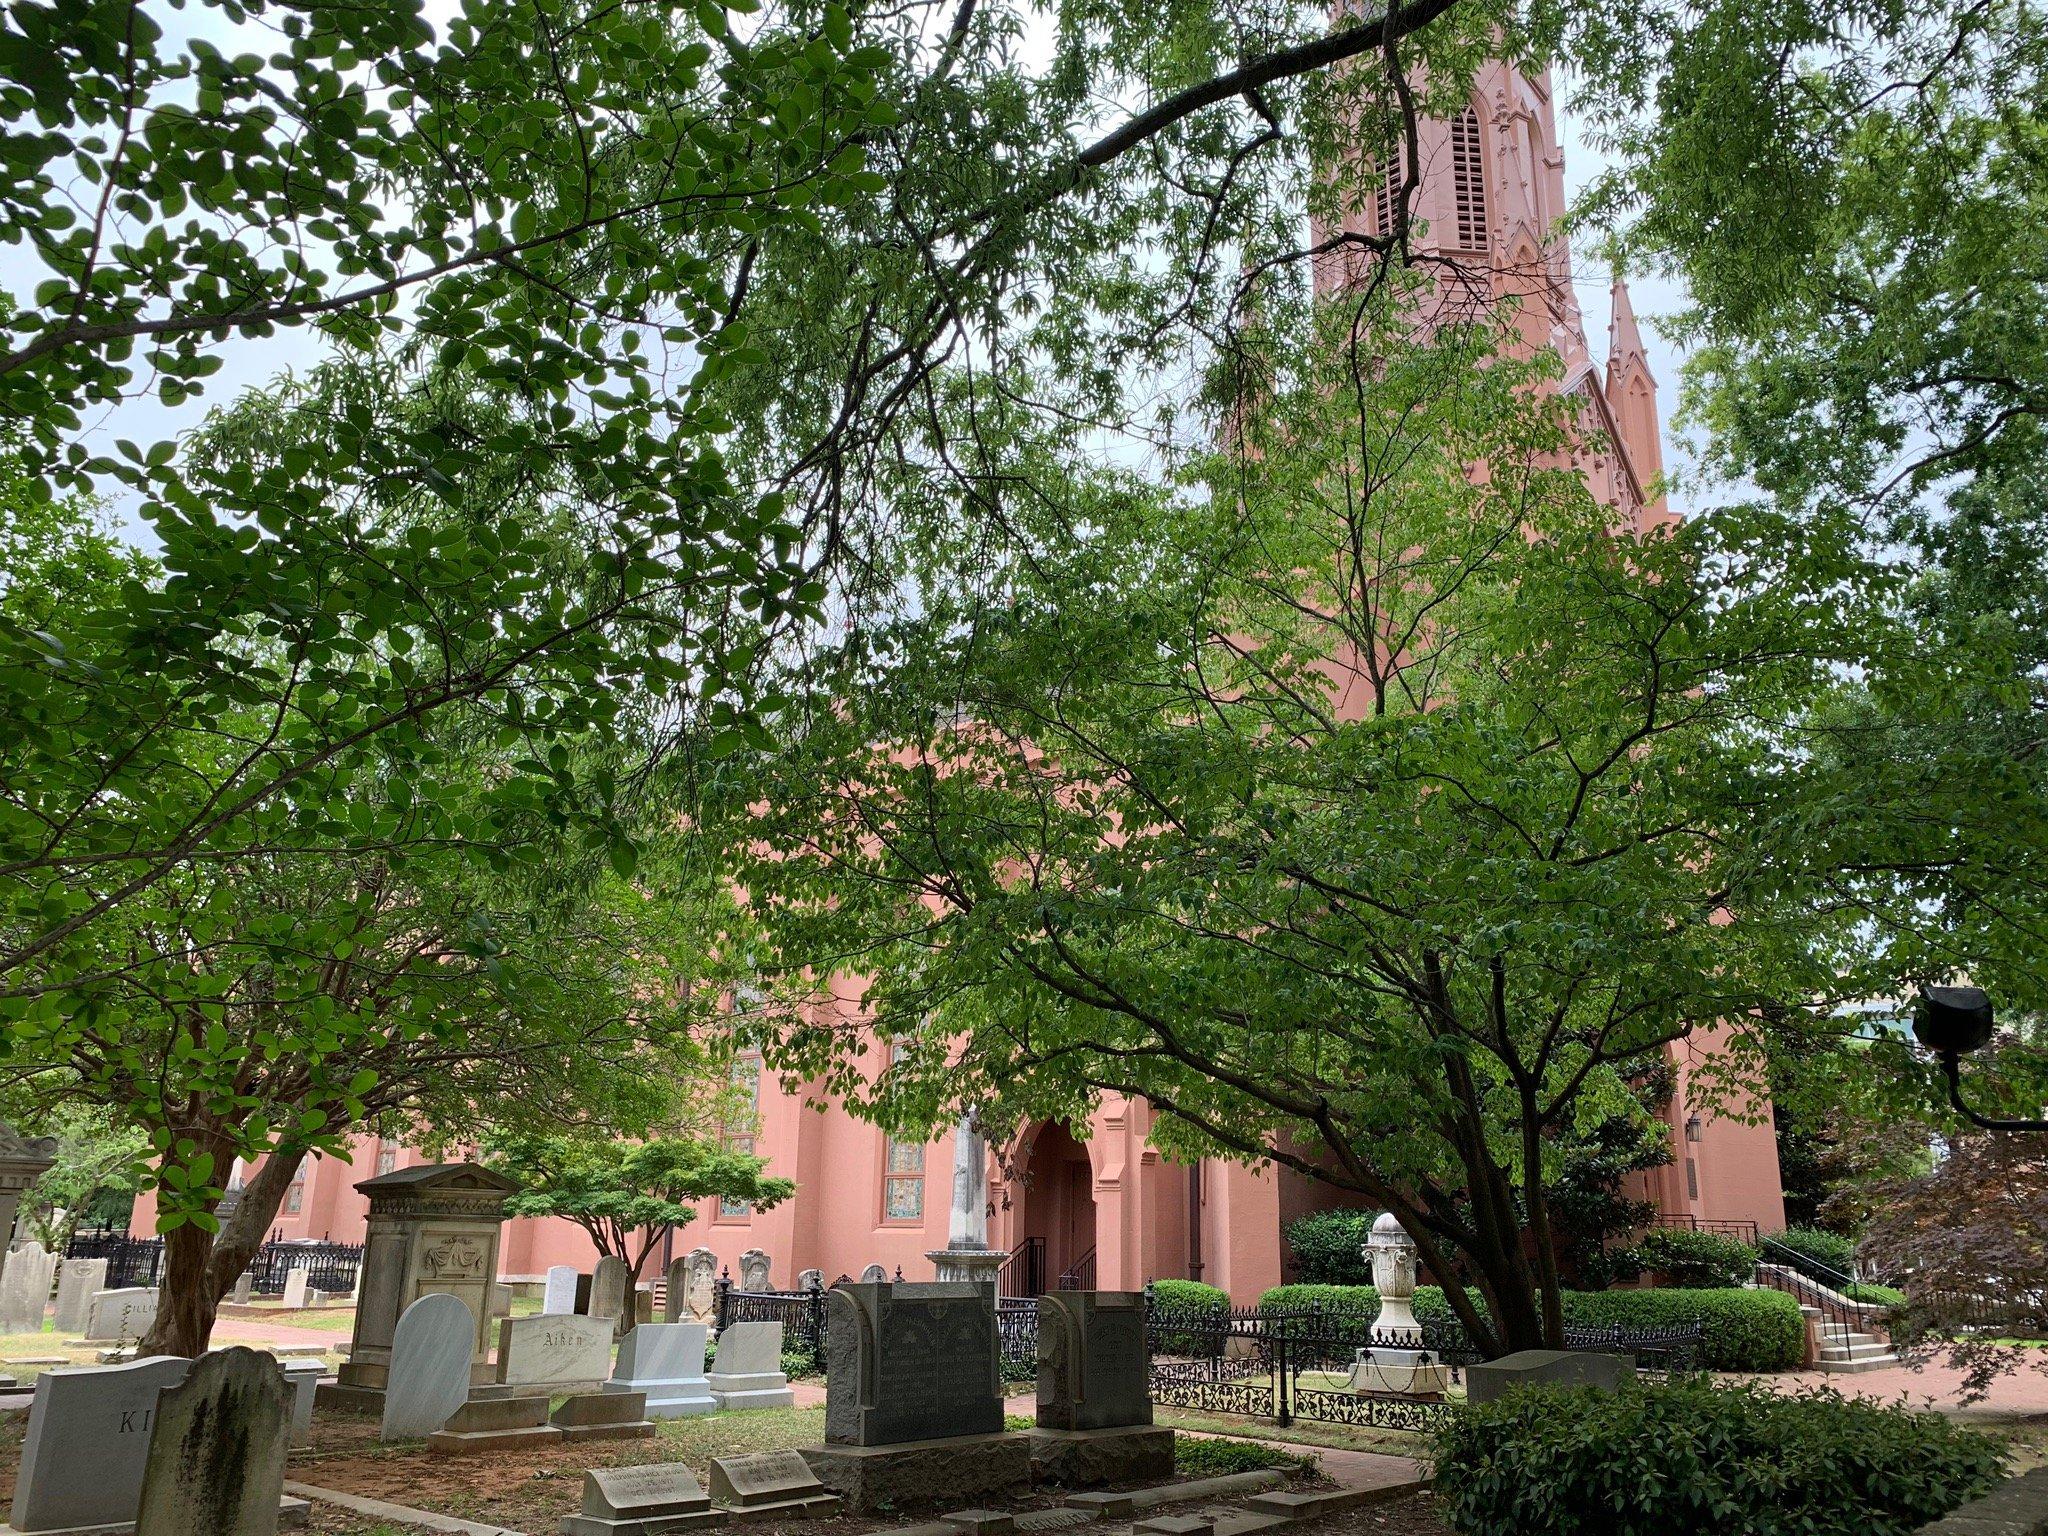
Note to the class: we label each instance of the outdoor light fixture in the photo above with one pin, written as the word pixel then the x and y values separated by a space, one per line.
pixel 1952 1021
pixel 1692 1127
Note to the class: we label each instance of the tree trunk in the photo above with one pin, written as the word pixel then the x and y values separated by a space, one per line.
pixel 201 1267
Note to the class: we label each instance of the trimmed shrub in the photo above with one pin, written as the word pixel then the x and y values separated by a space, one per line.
pixel 1701 1259
pixel 1695 1459
pixel 1740 1330
pixel 1190 1293
pixel 1831 1249
pixel 1430 1306
pixel 1328 1247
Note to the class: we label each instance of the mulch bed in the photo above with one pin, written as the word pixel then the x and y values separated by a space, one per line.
pixel 1415 1515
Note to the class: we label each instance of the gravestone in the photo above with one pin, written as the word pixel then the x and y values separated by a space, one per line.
pixel 911 1362
pixel 608 1291
pixel 216 1451
pixel 768 1485
pixel 301 1380
pixel 433 1230
pixel 122 1314
pixel 559 1297
pixel 874 1274
pixel 427 1370
pixel 604 1416
pixel 23 1160
pixel 295 1285
pixel 666 1362
pixel 1546 1367
pixel 1094 1367
pixel 244 1288
pixel 810 1280
pixel 25 1288
pixel 554 1351
pixel 78 1281
pixel 582 1294
pixel 494 1424
pixel 501 1300
pixel 701 1294
pixel 88 1442
pixel 630 1501
pixel 754 1268
pixel 675 1304
pixel 748 1370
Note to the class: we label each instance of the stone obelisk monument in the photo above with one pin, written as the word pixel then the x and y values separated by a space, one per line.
pixel 967 1255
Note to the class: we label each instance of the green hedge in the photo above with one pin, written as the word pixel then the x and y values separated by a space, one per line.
pixel 1740 1330
pixel 1699 1259
pixel 1877 1295
pixel 1691 1458
pixel 1190 1293
pixel 1328 1247
pixel 1830 1248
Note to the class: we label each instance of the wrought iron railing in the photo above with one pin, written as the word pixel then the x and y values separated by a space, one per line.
pixel 1023 1273
pixel 139 1261
pixel 1079 1275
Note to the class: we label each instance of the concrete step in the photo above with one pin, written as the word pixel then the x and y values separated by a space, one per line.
pixel 1857 1352
pixel 1857 1367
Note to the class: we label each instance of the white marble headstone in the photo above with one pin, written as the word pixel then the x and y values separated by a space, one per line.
pixel 25 1288
pixel 295 1285
pixel 88 1442
pixel 666 1361
pixel 123 1314
pixel 536 1350
pixel 559 1299
pixel 747 1372
pixel 78 1281
pixel 430 1356
pixel 754 1270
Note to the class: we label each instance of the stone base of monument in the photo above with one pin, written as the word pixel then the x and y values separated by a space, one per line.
pixel 604 1416
pixel 1382 1372
pixel 345 1397
pixel 1089 1458
pixel 292 1515
pixel 495 1424
pixel 959 1467
pixel 768 1389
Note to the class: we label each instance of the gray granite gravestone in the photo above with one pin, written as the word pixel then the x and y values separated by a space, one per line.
pixel 554 1351
pixel 666 1362
pixel 769 1484
pixel 433 1230
pixel 88 1442
pixel 911 1362
pixel 559 1297
pixel 1546 1367
pixel 25 1288
pixel 121 1315
pixel 494 1424
pixel 636 1501
pixel 78 1281
pixel 216 1451
pixel 244 1288
pixel 748 1370
pixel 1094 1367
pixel 603 1416
pixel 427 1377
pixel 608 1283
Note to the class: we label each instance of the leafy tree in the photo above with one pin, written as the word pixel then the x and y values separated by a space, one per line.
pixel 630 1195
pixel 94 1180
pixel 1363 814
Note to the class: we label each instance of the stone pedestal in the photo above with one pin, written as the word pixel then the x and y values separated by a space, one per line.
pixel 1391 1253
pixel 432 1229
pixel 959 1467
pixel 1093 1458
pixel 976 1266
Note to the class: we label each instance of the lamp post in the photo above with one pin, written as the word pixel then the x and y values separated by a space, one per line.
pixel 1952 1022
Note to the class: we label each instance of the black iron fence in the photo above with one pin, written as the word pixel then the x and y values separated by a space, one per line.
pixel 139 1261
pixel 1301 1363
pixel 802 1314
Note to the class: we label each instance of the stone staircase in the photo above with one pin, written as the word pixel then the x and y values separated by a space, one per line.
pixel 1848 1353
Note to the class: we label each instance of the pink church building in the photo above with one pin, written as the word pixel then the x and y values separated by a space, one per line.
pixel 1098 1202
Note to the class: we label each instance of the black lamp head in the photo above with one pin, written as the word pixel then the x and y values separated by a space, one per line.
pixel 1952 1020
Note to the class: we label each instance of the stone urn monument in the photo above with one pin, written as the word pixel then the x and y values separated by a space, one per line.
pixel 967 1255
pixel 1395 1364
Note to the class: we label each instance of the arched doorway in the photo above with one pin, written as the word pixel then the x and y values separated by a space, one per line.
pixel 1058 1207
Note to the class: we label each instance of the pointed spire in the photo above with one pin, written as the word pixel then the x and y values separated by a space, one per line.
pixel 1624 340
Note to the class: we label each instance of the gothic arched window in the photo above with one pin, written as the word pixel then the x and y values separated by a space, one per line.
pixel 1468 180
